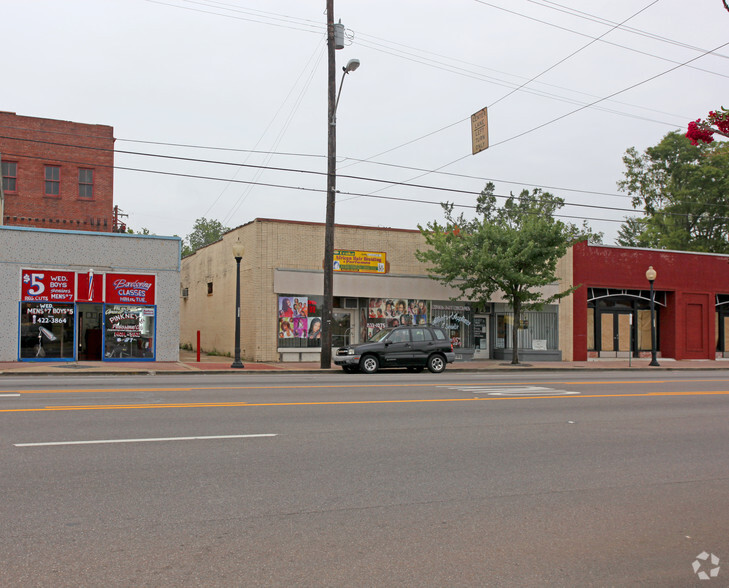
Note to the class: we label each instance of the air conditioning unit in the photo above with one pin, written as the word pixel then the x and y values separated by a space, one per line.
pixel 184 292
pixel 350 303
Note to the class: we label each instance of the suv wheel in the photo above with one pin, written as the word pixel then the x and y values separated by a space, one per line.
pixel 369 364
pixel 436 363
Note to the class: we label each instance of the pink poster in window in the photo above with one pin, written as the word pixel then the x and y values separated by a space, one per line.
pixel 47 286
pixel 129 289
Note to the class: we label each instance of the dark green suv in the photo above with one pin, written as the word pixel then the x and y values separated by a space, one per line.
pixel 415 348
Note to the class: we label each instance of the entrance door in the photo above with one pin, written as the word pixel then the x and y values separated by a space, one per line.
pixel 615 334
pixel 88 329
pixel 342 328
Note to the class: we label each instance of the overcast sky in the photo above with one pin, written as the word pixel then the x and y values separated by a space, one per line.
pixel 570 85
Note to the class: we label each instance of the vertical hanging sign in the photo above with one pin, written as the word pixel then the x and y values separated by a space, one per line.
pixel 479 131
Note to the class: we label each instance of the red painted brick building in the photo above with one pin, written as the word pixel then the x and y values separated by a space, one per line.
pixel 609 314
pixel 56 174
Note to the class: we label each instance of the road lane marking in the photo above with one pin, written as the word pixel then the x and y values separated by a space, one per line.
pixel 418 384
pixel 151 440
pixel 353 402
pixel 9 395
pixel 514 390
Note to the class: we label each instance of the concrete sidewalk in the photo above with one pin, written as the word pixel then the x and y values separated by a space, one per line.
pixel 188 364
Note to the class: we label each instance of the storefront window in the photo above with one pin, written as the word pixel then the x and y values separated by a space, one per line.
pixel 537 330
pixel 457 318
pixel 46 330
pixel 129 332
pixel 299 321
pixel 392 312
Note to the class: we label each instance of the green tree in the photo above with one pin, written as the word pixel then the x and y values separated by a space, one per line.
pixel 631 233
pixel 204 232
pixel 514 249
pixel 682 190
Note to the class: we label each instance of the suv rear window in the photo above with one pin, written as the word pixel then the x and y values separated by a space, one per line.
pixel 399 336
pixel 440 334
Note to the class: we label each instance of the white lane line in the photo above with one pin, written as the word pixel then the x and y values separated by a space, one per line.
pixel 9 395
pixel 102 441
pixel 515 390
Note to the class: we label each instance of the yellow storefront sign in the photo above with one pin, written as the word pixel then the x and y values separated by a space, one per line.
pixel 368 262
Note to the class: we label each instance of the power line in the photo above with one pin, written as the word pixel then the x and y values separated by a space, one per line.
pixel 600 20
pixel 561 61
pixel 633 86
pixel 353 194
pixel 544 22
pixel 273 168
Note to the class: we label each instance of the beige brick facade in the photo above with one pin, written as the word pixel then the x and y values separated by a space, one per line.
pixel 272 245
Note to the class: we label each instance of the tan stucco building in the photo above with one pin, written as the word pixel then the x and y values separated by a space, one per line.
pixel 377 282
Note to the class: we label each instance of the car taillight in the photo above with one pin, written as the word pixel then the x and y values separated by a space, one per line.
pixel 451 346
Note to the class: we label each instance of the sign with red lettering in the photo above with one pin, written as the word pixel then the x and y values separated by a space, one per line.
pixel 129 289
pixel 47 286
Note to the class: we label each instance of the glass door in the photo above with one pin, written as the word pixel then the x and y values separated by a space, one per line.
pixel 342 328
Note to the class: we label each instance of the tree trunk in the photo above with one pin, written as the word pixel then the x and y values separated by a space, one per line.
pixel 515 331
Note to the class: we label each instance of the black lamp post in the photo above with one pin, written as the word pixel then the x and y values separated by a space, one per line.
pixel 650 275
pixel 238 254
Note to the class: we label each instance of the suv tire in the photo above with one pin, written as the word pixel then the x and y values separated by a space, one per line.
pixel 369 364
pixel 436 363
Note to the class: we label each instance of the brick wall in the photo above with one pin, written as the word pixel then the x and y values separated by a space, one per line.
pixel 269 245
pixel 33 143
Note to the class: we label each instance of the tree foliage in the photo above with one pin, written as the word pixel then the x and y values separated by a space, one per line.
pixel 204 232
pixel 683 190
pixel 513 249
pixel 717 123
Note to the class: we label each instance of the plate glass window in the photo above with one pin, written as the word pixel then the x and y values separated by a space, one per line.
pixel 53 180
pixel 10 176
pixel 86 183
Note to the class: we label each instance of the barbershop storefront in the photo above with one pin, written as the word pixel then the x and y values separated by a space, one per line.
pixel 82 296
pixel 66 315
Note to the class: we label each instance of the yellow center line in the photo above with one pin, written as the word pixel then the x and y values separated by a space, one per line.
pixel 353 385
pixel 354 402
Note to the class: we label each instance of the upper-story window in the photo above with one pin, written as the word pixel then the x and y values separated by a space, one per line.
pixel 10 176
pixel 53 180
pixel 85 183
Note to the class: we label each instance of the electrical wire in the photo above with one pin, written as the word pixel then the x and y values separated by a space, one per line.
pixel 342 193
pixel 561 61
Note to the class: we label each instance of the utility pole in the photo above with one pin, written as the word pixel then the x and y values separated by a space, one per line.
pixel 328 303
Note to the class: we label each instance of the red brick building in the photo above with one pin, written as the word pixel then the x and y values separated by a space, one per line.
pixel 609 316
pixel 56 174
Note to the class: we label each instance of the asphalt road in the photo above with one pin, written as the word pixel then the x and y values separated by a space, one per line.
pixel 559 479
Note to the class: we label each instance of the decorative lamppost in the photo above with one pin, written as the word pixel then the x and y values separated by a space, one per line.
pixel 650 275
pixel 238 254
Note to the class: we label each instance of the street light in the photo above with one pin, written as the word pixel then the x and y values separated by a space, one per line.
pixel 650 275
pixel 238 254
pixel 333 102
